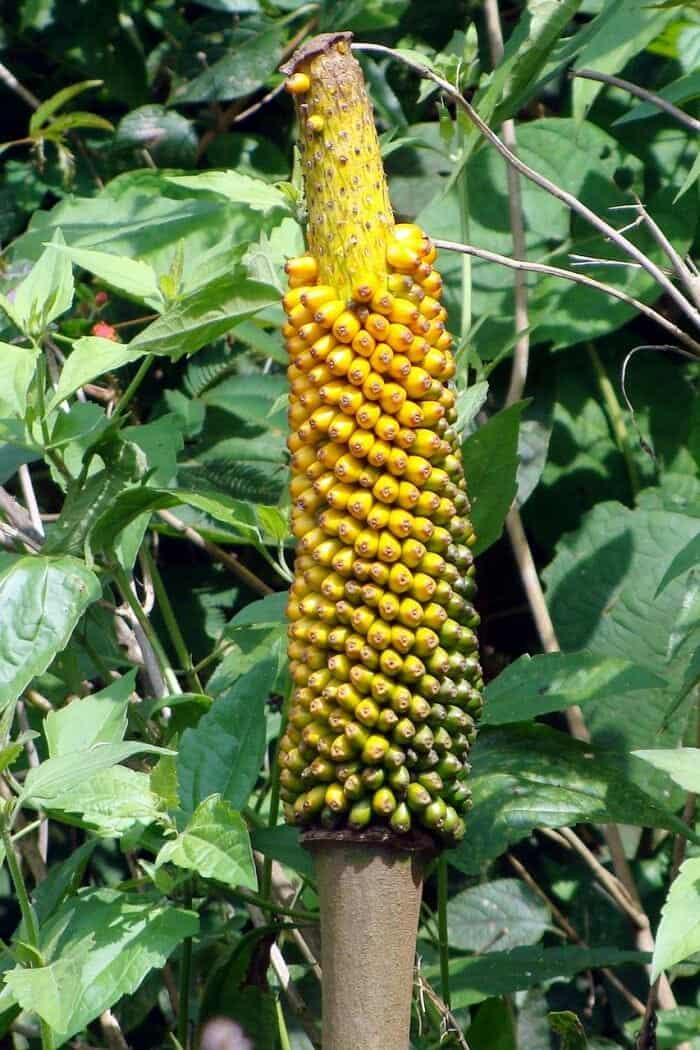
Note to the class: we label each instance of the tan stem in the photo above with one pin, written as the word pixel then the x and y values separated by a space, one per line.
pixel 370 899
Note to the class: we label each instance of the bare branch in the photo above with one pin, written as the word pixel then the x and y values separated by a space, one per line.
pixel 10 80
pixel 689 279
pixel 577 278
pixel 541 180
pixel 639 92
pixel 573 935
pixel 25 480
pixel 217 553
pixel 521 352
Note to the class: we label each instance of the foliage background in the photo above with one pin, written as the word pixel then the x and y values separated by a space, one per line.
pixel 150 904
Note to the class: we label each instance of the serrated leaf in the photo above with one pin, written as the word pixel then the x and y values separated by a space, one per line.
pixel 55 778
pixel 17 365
pixel 678 935
pixel 215 844
pixel 46 990
pixel 110 803
pixel 42 598
pixel 131 276
pixel 100 945
pixel 496 916
pixel 223 755
pixel 46 292
pixel 204 315
pixel 96 719
pixel 533 686
pixel 249 520
pixel 90 357
pixel 243 189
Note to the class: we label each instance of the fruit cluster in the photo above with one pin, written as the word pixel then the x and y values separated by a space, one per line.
pixel 383 654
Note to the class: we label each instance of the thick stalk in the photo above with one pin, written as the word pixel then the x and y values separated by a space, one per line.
pixel 370 898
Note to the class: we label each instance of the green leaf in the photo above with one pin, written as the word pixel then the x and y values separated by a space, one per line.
pixel 214 844
pixel 603 593
pixel 17 365
pixel 282 844
pixel 495 1027
pixel 42 598
pixel 61 880
pixel 490 464
pixel 684 89
pixel 567 1025
pixel 223 755
pixel 527 776
pixel 130 276
pixel 533 686
pixel 241 71
pixel 57 128
pixel 496 916
pixel 161 441
pixel 90 357
pixel 169 137
pixel 51 105
pixel 265 612
pixel 96 719
pixel 85 504
pixel 250 522
pixel 528 48
pixel 501 973
pixel 47 291
pixel 690 179
pixel 55 778
pixel 255 193
pixel 204 315
pixel 686 559
pixel 100 945
pixel 678 935
pixel 46 990
pixel 110 802
pixel 620 32
pixel 672 1026
pixel 681 763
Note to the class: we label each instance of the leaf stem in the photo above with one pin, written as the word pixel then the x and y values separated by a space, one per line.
pixel 282 1026
pixel 267 904
pixel 183 1017
pixel 442 929
pixel 170 620
pixel 124 585
pixel 133 386
pixel 273 815
pixel 28 914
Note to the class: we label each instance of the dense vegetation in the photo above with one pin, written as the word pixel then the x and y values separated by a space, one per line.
pixel 149 198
